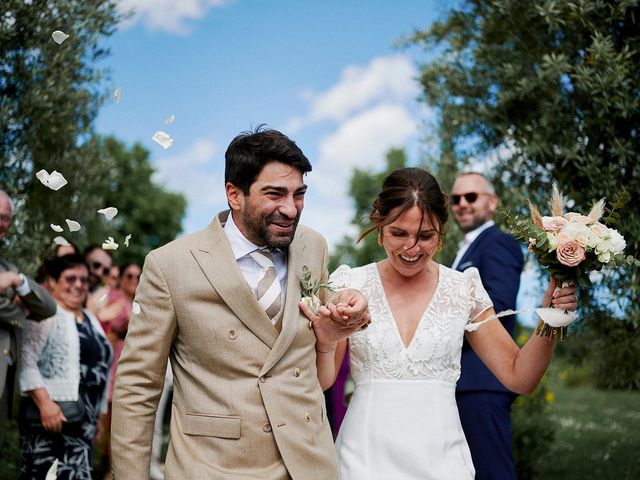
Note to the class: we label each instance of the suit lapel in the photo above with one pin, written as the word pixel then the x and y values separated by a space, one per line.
pixel 291 313
pixel 467 259
pixel 216 259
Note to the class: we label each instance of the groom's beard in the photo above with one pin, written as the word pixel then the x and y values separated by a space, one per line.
pixel 264 235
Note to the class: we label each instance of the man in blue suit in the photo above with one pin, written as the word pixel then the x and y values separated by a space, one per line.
pixel 484 404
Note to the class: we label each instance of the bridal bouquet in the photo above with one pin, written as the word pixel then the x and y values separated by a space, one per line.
pixel 571 245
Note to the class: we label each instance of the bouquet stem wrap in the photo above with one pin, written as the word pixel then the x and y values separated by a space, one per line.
pixel 554 321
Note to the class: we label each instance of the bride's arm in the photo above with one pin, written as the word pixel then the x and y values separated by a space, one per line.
pixel 328 362
pixel 520 370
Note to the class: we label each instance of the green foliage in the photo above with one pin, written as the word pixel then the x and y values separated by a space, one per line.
pixel 548 91
pixel 50 95
pixel 311 287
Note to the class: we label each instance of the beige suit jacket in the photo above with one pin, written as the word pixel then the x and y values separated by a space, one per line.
pixel 247 403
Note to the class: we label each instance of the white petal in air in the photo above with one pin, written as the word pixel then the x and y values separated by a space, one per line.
pixel 61 241
pixel 163 139
pixel 109 212
pixel 103 299
pixel 55 180
pixel 109 244
pixel 135 308
pixel 59 36
pixel 73 225
pixel 52 473
pixel 117 94
pixel 126 240
pixel 56 228
pixel 169 120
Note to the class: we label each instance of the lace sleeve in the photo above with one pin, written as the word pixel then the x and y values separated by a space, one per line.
pixel 478 298
pixel 34 339
pixel 341 278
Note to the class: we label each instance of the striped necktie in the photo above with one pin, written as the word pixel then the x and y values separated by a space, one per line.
pixel 269 292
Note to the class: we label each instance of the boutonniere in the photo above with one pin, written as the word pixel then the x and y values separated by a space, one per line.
pixel 310 288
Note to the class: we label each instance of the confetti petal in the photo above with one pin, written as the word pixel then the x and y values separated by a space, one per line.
pixel 109 244
pixel 135 308
pixel 109 212
pixel 52 473
pixel 73 225
pixel 117 94
pixel 59 36
pixel 56 228
pixel 102 300
pixel 55 180
pixel 126 240
pixel 61 241
pixel 163 139
pixel 169 120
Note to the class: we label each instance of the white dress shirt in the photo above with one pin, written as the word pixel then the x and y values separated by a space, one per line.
pixel 468 239
pixel 251 270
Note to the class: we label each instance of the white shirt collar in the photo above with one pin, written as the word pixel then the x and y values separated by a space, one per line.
pixel 239 243
pixel 469 237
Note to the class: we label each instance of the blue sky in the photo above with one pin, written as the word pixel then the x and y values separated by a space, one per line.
pixel 326 73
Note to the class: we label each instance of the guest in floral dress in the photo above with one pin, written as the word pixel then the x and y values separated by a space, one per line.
pixel 64 358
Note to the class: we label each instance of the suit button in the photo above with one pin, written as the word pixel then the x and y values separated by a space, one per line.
pixel 296 372
pixel 5 351
pixel 307 417
pixel 232 334
pixel 263 379
pixel 266 428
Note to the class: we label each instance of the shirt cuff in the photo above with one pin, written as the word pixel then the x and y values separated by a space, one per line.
pixel 23 289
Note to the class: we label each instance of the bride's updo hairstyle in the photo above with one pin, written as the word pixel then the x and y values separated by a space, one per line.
pixel 401 190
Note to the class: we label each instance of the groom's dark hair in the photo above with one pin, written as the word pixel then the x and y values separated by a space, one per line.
pixel 249 152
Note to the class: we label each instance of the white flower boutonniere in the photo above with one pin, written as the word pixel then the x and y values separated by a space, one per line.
pixel 310 288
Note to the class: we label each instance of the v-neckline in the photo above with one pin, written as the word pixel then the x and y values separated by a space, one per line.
pixel 393 318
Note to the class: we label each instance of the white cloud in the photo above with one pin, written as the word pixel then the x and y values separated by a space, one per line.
pixel 388 79
pixel 167 15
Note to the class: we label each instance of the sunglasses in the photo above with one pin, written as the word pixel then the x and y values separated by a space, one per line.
pixel 98 266
pixel 470 197
pixel 131 276
pixel 72 279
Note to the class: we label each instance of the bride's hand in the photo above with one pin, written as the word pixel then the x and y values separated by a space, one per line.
pixel 563 299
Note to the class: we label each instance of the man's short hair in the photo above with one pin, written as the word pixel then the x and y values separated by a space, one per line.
pixel 249 152
pixel 489 183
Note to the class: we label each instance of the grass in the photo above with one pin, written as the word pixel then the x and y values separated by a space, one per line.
pixel 597 434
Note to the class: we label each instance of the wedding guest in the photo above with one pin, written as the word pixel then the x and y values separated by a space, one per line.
pixel 112 280
pixel 65 357
pixel 222 305
pixel 402 422
pixel 99 261
pixel 20 298
pixel 483 402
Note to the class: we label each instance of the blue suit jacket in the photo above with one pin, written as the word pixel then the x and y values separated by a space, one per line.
pixel 498 258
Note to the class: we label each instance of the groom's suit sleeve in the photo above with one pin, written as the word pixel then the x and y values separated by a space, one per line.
pixel 140 374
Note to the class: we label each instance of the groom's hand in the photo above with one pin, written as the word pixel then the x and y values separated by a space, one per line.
pixel 349 307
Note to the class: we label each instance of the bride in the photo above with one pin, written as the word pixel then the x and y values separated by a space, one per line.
pixel 402 422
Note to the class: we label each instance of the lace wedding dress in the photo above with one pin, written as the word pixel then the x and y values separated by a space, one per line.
pixel 402 422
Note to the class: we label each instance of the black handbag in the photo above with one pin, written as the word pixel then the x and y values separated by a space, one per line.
pixel 73 411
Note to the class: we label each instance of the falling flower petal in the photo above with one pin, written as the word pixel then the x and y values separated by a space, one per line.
pixel 109 212
pixel 117 94
pixel 55 180
pixel 163 139
pixel 103 299
pixel 59 36
pixel 126 240
pixel 52 473
pixel 56 228
pixel 109 244
pixel 61 241
pixel 135 308
pixel 73 225
pixel 169 120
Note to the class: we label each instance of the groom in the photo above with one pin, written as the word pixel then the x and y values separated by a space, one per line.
pixel 222 305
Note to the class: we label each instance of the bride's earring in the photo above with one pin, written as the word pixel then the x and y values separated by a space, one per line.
pixel 380 236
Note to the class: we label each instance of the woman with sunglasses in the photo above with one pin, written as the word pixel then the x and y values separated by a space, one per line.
pixel 65 358
pixel 402 422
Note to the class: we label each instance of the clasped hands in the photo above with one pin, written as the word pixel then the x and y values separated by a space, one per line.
pixel 344 314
